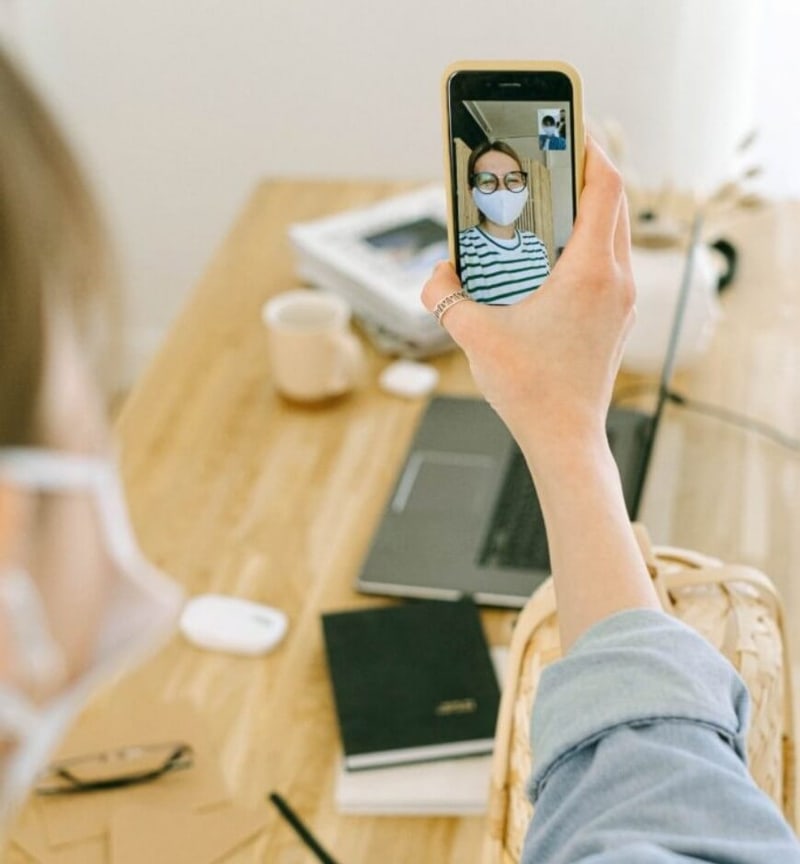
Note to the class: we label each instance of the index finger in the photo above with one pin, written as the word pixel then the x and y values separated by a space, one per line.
pixel 601 203
pixel 622 237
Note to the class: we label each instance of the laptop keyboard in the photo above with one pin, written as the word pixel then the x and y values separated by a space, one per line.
pixel 516 535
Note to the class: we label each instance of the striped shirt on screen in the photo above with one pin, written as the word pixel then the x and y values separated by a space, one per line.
pixel 501 271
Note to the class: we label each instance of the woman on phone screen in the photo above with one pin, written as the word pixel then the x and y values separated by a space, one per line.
pixel 500 263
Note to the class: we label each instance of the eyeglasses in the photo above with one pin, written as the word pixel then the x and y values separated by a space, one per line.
pixel 485 181
pixel 113 769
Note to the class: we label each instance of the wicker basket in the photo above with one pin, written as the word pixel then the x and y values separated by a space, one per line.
pixel 736 608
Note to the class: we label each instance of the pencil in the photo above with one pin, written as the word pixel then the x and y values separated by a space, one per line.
pixel 300 829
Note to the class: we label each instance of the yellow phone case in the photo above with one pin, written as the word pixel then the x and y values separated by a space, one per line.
pixel 511 66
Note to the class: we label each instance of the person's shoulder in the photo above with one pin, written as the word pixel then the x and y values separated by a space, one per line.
pixel 530 238
pixel 534 245
pixel 471 233
pixel 470 238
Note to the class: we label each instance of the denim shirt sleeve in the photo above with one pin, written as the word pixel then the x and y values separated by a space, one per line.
pixel 638 738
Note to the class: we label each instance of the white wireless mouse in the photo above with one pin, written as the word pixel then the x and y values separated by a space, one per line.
pixel 408 378
pixel 232 624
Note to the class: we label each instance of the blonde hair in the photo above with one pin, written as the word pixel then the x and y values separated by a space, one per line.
pixel 53 250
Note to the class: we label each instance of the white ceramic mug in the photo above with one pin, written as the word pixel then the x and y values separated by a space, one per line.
pixel 313 353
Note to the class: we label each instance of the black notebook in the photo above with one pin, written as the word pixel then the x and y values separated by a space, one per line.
pixel 411 683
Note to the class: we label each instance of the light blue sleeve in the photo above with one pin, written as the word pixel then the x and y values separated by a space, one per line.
pixel 638 737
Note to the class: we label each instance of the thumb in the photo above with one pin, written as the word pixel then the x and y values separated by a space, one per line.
pixel 443 291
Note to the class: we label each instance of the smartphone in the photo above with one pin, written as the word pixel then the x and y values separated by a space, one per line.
pixel 514 149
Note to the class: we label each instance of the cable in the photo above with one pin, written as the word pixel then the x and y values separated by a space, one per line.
pixel 740 420
pixel 716 411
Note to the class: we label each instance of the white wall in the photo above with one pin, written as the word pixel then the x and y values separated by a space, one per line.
pixel 776 113
pixel 178 107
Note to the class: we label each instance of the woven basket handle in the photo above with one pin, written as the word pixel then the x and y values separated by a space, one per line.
pixel 694 569
pixel 721 574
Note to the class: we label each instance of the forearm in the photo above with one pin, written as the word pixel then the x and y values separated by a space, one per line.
pixel 638 744
pixel 597 566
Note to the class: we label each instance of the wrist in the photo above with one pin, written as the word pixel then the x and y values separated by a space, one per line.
pixel 575 474
pixel 597 565
pixel 572 450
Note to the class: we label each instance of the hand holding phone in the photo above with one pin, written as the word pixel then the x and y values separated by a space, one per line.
pixel 514 159
pixel 548 367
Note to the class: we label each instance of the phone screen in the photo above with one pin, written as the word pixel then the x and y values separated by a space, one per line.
pixel 513 184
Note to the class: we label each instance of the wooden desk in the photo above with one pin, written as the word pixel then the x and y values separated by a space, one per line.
pixel 234 490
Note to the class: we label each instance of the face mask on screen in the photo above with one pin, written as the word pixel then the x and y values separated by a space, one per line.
pixel 501 207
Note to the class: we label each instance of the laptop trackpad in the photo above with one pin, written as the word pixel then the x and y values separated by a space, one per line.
pixel 439 481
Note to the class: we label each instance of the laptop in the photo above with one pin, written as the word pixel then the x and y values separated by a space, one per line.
pixel 464 518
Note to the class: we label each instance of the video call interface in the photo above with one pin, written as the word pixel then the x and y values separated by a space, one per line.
pixel 514 202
